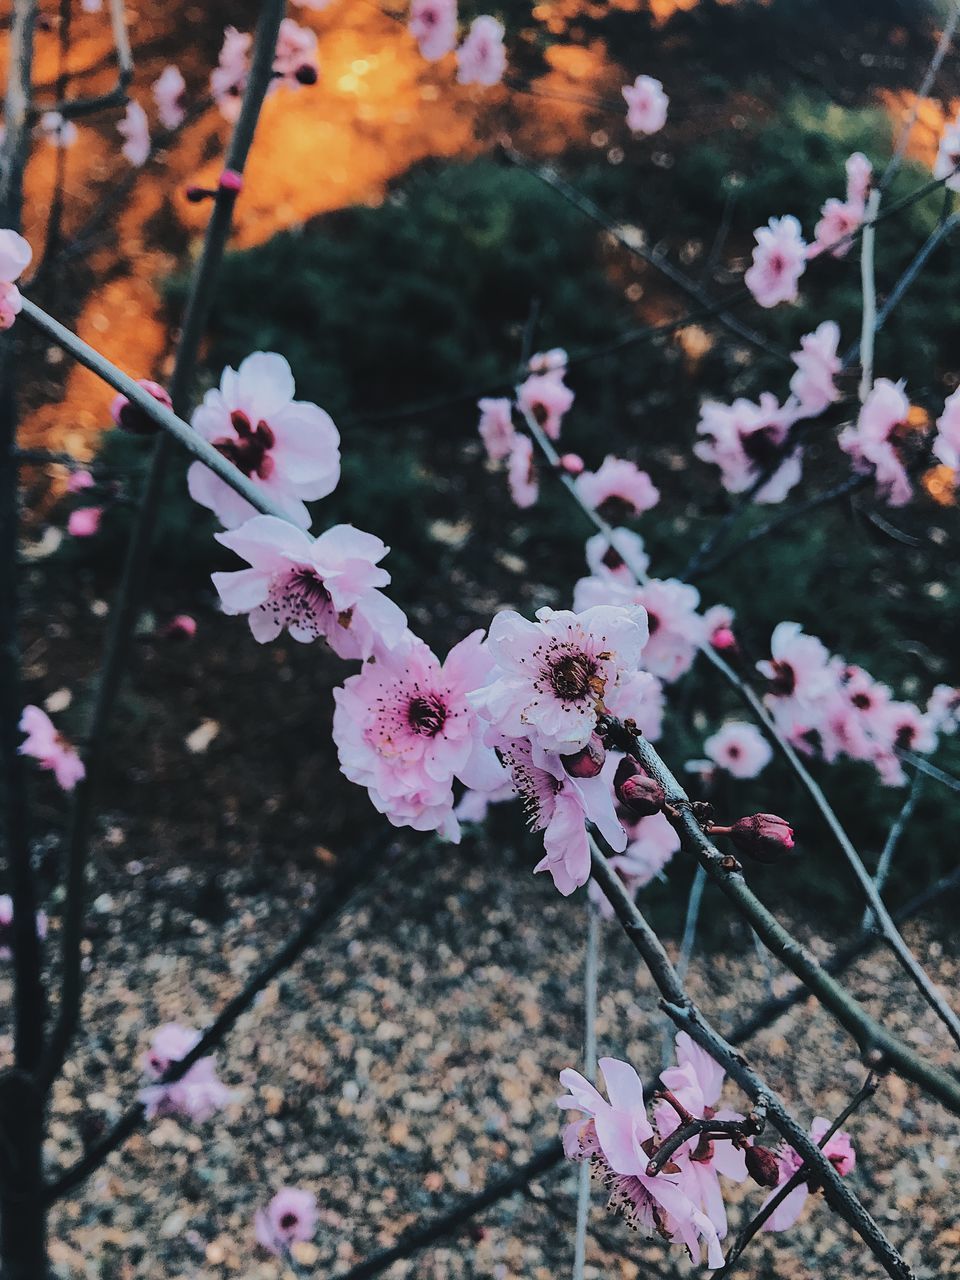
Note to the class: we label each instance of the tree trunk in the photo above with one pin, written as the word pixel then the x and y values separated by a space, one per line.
pixel 23 1217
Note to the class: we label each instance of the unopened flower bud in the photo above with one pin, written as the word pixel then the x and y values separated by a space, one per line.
pixel 231 180
pixel 642 795
pixel 723 639
pixel 306 74
pixel 762 1165
pixel 763 837
pixel 181 627
pixel 572 464
pixel 587 762
pixel 129 417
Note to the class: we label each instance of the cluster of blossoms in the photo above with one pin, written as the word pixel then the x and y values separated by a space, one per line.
pixel 198 1094
pixel 50 748
pixel 481 56
pixel 294 64
pixel 823 703
pixel 682 1201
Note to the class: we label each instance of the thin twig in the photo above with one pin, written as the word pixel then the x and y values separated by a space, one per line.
pixel 892 841
pixel 868 284
pixel 589 1067
pixel 931 770
pixel 74 108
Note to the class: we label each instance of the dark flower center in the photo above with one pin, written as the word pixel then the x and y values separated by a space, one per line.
pixel 653 622
pixel 612 558
pixel 426 714
pixel 783 681
pixel 905 736
pixel 573 676
pixel 862 700
pixel 762 447
pixel 616 510
pixel 539 411
pixel 288 1221
pixel 250 451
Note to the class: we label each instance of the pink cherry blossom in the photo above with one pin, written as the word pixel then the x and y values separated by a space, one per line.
pixel 6 926
pixel 288 447
pixel 638 696
pixel 84 522
pixel 612 1137
pixel 779 260
pixel 619 490
pixel 744 439
pixel 433 24
pixel 198 1094
pixel 839 1151
pixel 653 842
pixel 57 131
pixel 943 709
pixel 295 60
pixel 168 90
pixel 49 748
pixel 550 676
pixel 833 233
pixel 799 668
pixel 818 364
pixel 622 556
pixel 676 630
pixel 404 729
pixel 15 255
pixel 80 481
pixel 552 361
pixel 946 445
pixel 646 105
pixel 135 129
pixel 230 75
pixel 546 398
pixel 948 156
pixel 739 748
pixel 859 177
pixel 873 442
pixel 313 587
pixel 482 58
pixel 560 806
pixel 290 1216
pixel 522 473
pixel 496 428
pixel 718 626
pixel 181 627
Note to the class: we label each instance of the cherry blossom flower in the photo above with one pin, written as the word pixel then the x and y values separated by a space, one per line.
pixel 744 439
pixel 718 627
pixel 818 364
pixel 198 1094
pixel 873 442
pixel 80 481
pixel 622 556
pixel 482 58
pixel 551 676
pixel 135 128
pixel 168 90
pixel 552 361
pixel 619 490
pixel 433 24
pixel 946 445
pixel 84 522
pixel 839 1151
pixel 546 398
pixel 653 842
pixel 91 6
pixel 676 630
pixel 859 177
pixel 560 806
pixel 617 1136
pixel 288 447
pixel 313 587
pixel 496 428
pixel 181 627
pixel 230 75
pixel 739 748
pixel 404 729
pixel 799 668
pixel 943 709
pixel 840 218
pixel 15 255
pixel 290 1216
pixel 6 926
pixel 57 131
pixel 779 260
pixel 522 473
pixel 295 59
pixel 948 156
pixel 638 696
pixel 646 105
pixel 49 748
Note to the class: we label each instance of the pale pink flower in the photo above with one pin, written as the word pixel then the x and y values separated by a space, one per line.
pixel 946 445
pixel 135 128
pixel 79 481
pixel 646 105
pixel 619 490
pixel 839 1151
pixel 552 361
pixel 612 1137
pixel 873 442
pixel 181 627
pixel 496 427
pixel 744 439
pixel 676 630
pixel 621 556
pixel 316 5
pixel 639 696
pixel 49 748
pixel 718 627
pixel 948 156
pixel 404 729
pixel 550 676
pixel 546 398
pixel 288 447
pixel 482 58
pixel 859 177
pixel 295 59
pixel 818 364
pixel 653 842
pixel 197 1095
pixel 230 75
pixel 943 709
pixel 11 304
pixel 560 806
pixel 84 522
pixel 6 926
pixel 433 24
pixel 739 748
pixel 779 260
pixel 522 473
pixel 15 255
pixel 91 6
pixel 290 1216
pixel 314 587
pixel 799 668
pixel 56 130
pixel 833 233
pixel 168 90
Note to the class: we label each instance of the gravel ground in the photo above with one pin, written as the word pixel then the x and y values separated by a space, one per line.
pixel 413 1053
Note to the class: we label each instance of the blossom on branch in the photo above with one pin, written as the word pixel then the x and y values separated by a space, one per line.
pixel 482 58
pixel 619 490
pixel 49 748
pixel 6 926
pixel 646 105
pixel 779 260
pixel 291 1216
pixel 496 427
pixel 747 440
pixel 198 1094
pixel 675 629
pixel 433 24
pixel 838 1150
pixel 168 90
pixel 818 364
pixel 875 442
pixel 15 255
pixel 522 473
pixel 739 748
pixel 134 128
pixel 546 397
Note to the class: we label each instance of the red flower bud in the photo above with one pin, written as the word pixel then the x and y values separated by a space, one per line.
pixel 636 791
pixel 762 1165
pixel 723 639
pixel 763 837
pixel 230 180
pixel 587 762
pixel 129 417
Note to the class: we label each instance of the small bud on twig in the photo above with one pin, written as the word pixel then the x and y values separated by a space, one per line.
pixel 762 1165
pixel 642 795
pixel 587 762
pixel 762 836
pixel 129 417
